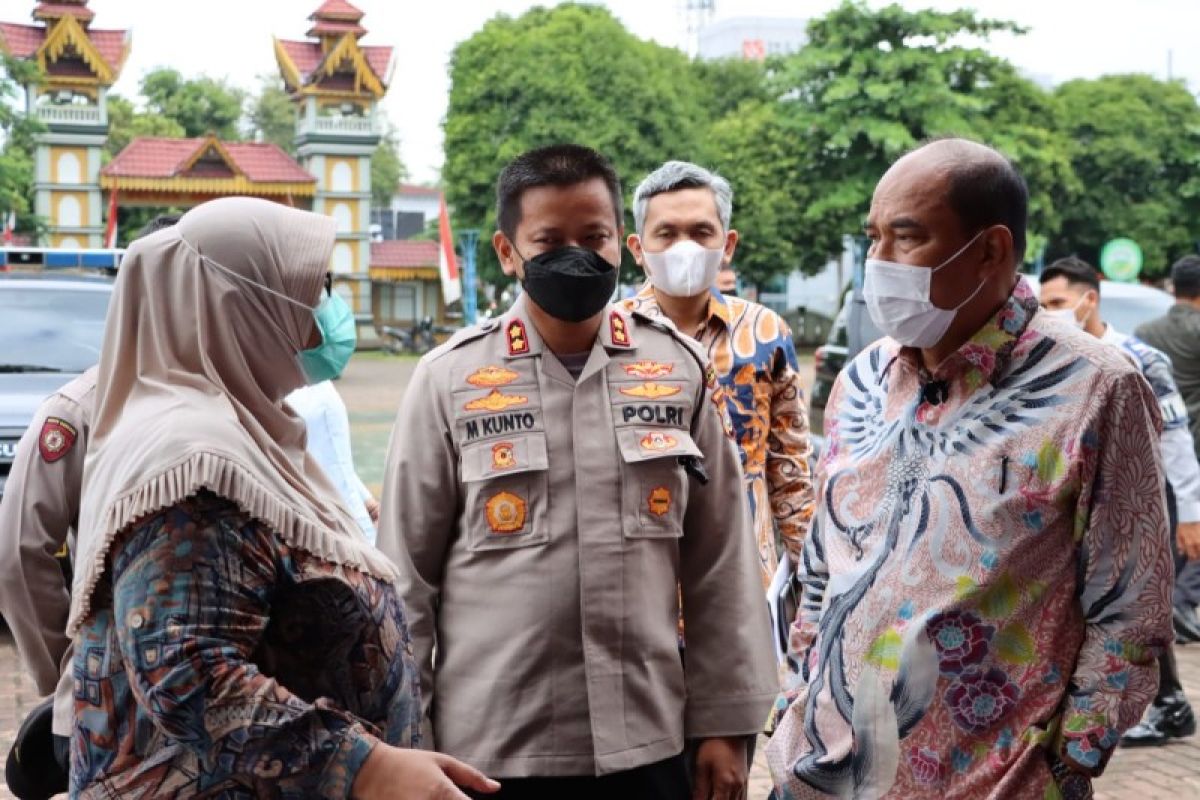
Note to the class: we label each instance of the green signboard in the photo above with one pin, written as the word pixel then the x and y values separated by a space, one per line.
pixel 1121 260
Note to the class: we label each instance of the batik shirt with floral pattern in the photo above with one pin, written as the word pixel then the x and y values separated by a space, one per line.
pixel 987 578
pixel 751 349
pixel 221 663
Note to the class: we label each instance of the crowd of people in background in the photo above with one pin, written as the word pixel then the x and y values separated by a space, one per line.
pixel 563 589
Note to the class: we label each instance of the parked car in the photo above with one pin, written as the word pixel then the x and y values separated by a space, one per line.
pixel 53 327
pixel 1125 306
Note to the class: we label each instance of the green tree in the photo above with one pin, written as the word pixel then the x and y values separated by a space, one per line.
pixel 567 74
pixel 201 105
pixel 387 170
pixel 272 114
pixel 125 123
pixel 1135 145
pixel 870 85
pixel 17 134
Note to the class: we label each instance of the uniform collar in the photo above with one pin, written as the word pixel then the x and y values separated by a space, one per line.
pixel 986 354
pixel 521 338
pixel 718 305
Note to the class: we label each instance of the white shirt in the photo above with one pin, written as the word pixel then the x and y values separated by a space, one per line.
pixel 328 424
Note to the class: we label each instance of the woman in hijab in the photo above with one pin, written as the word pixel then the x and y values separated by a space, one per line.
pixel 235 636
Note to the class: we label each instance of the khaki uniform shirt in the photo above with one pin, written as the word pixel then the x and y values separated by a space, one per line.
pixel 542 526
pixel 40 508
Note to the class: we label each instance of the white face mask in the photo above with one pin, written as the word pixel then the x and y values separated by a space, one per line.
pixel 685 269
pixel 1066 315
pixel 897 298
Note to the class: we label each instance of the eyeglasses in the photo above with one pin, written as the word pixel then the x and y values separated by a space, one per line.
pixel 329 284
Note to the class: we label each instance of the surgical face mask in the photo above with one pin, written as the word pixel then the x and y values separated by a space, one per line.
pixel 333 318
pixel 339 335
pixel 1066 315
pixel 570 283
pixel 685 269
pixel 898 301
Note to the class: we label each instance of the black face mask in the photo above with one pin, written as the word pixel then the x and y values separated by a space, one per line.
pixel 571 283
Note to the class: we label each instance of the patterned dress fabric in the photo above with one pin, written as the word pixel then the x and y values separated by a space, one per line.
pixel 220 663
pixel 987 579
pixel 750 347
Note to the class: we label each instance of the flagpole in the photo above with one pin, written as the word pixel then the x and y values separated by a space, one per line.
pixel 468 240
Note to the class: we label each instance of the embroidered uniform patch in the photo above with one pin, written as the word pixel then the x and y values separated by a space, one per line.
pixel 56 439
pixel 618 329
pixel 651 390
pixel 502 456
pixel 505 513
pixel 648 369
pixel 658 441
pixel 518 341
pixel 659 501
pixel 492 376
pixel 496 400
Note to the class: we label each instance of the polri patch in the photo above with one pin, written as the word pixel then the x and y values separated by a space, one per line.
pixel 659 501
pixel 505 513
pixel 56 439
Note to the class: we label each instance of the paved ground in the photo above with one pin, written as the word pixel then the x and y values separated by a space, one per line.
pixel 372 388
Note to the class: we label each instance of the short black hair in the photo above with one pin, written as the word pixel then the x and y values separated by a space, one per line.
pixel 556 165
pixel 157 224
pixel 1076 271
pixel 1185 277
pixel 990 191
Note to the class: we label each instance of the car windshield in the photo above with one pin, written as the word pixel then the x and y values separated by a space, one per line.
pixel 50 330
pixel 1127 313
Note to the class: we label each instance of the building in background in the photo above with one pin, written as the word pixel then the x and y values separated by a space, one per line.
pixel 79 63
pixel 337 83
pixel 405 282
pixel 752 38
pixel 412 210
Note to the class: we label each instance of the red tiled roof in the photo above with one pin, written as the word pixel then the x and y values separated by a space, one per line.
pixel 23 41
pixel 404 253
pixel 151 157
pixel 337 9
pixel 307 57
pixel 411 189
pixel 111 45
pixel 379 59
pixel 78 10
pixel 336 28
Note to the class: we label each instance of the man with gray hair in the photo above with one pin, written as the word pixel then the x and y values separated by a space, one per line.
pixel 683 239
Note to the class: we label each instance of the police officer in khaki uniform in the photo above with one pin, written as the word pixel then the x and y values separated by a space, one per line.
pixel 39 510
pixel 553 476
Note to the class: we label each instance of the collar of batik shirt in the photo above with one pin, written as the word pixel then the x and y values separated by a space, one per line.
pixel 985 354
pixel 718 305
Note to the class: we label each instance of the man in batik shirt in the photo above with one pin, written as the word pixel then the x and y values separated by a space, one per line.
pixel 682 212
pixel 1071 291
pixel 987 577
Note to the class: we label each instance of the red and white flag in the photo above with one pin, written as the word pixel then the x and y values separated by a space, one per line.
pixel 10 226
pixel 447 261
pixel 110 232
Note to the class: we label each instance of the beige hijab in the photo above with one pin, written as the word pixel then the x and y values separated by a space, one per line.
pixel 195 364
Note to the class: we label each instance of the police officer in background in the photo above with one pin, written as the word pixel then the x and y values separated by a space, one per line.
pixel 38 514
pixel 552 477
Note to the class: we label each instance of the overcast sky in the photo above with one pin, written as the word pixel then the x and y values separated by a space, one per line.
pixel 232 39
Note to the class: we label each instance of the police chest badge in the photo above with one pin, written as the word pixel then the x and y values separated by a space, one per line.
pixel 503 456
pixel 659 501
pixel 56 439
pixel 505 513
